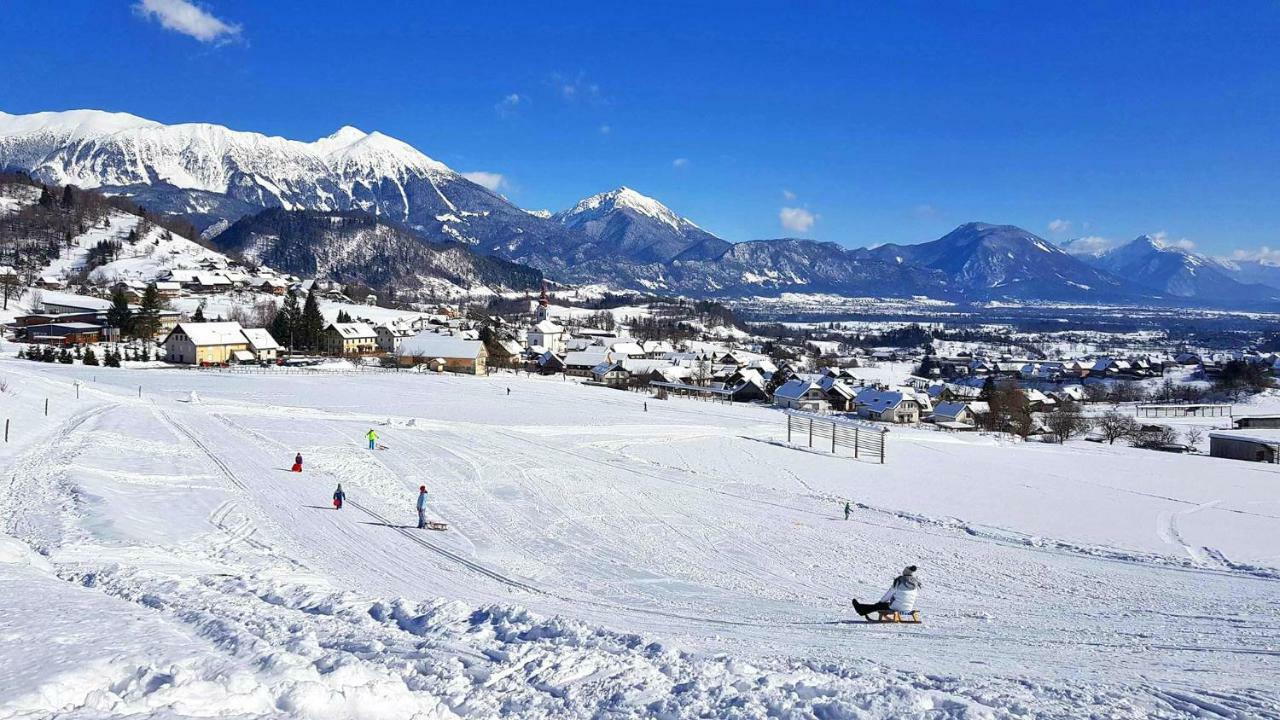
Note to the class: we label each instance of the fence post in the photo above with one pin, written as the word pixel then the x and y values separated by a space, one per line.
pixel 139 391
pixel 881 448
pixel 788 429
pixel 833 438
pixel 810 432
pixel 46 407
pixel 6 429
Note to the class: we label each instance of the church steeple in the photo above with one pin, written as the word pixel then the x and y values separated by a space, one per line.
pixel 543 303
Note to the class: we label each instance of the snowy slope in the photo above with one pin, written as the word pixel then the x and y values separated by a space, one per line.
pixel 678 562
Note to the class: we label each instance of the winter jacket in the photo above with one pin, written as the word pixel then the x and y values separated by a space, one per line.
pixel 422 501
pixel 340 496
pixel 902 596
pixel 372 435
pixel 298 459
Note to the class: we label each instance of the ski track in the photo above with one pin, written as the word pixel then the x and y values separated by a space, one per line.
pixel 321 613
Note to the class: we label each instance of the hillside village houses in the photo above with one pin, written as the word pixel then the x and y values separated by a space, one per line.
pixel 350 339
pixel 444 352
pixel 218 343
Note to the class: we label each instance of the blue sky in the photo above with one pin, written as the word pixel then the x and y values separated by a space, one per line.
pixel 859 123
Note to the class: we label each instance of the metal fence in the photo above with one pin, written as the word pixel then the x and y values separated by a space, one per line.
pixel 820 431
pixel 1177 411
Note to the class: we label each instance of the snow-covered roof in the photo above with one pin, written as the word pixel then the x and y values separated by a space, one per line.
pixel 1267 436
pixel 584 359
pixel 949 409
pixel 353 331
pixel 259 339
pixel 213 333
pixel 880 400
pixel 436 345
pixel 51 297
pixel 547 327
pixel 626 348
pixel 794 389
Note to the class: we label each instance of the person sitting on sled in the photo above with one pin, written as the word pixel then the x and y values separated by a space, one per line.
pixel 901 597
pixel 339 497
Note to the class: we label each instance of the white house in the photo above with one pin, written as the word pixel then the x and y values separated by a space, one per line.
pixel 887 406
pixel 548 335
pixel 800 394
pixel 261 344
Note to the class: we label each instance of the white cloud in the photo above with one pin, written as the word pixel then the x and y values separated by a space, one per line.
pixel 788 195
pixel 510 103
pixel 605 129
pixel 797 220
pixel 1162 238
pixel 493 181
pixel 1059 225
pixel 925 211
pixel 679 163
pixel 1264 255
pixel 575 88
pixel 187 18
pixel 1090 245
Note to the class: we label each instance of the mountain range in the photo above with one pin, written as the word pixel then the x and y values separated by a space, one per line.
pixel 242 187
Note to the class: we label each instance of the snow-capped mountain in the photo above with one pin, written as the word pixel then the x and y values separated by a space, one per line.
pixel 994 261
pixel 1253 272
pixel 624 223
pixel 353 246
pixel 210 173
pixel 1176 271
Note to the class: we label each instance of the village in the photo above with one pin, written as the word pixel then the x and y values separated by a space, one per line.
pixel 219 316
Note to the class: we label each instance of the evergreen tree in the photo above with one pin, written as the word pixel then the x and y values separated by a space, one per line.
pixel 119 316
pixel 988 389
pixel 64 357
pixel 311 326
pixel 48 355
pixel 68 198
pixel 89 357
pixel 285 325
pixel 198 315
pixel 147 323
pixel 343 317
pixel 112 359
pixel 46 197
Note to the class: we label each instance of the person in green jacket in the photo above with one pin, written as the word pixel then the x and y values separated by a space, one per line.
pixel 372 435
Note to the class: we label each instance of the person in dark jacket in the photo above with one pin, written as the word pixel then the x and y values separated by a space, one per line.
pixel 846 511
pixel 297 462
pixel 901 597
pixel 339 497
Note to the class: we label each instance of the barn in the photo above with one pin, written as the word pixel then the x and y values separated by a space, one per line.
pixel 1254 445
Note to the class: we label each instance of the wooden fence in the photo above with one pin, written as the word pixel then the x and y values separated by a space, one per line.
pixel 821 431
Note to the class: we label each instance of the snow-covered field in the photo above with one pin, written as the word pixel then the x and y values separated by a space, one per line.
pixel 601 560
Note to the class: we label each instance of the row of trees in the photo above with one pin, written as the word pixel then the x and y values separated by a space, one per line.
pixel 47 354
pixel 1114 425
pixel 300 328
pixel 142 324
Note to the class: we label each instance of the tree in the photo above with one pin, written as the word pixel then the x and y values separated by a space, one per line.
pixel 1113 426
pixel 89 357
pixel 120 316
pixel 48 355
pixel 284 325
pixel 46 197
pixel 111 359
pixel 1193 435
pixel 147 323
pixel 64 357
pixel 988 389
pixel 198 315
pixel 311 325
pixel 10 287
pixel 343 317
pixel 1066 421
pixel 68 197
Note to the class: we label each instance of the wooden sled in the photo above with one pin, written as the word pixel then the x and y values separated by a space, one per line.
pixel 437 526
pixel 894 617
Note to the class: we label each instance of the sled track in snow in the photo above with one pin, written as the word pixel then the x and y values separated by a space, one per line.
pixel 448 554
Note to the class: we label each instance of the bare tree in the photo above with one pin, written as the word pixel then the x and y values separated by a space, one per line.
pixel 1066 421
pixel 1153 436
pixel 1193 435
pixel 1113 425
pixel 10 288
